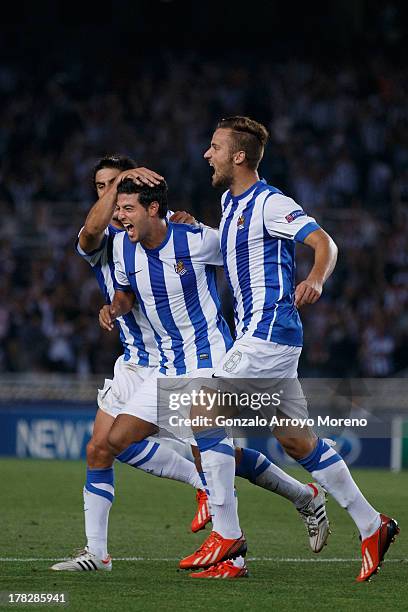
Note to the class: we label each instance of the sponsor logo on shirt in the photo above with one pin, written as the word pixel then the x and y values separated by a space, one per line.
pixel 179 268
pixel 294 215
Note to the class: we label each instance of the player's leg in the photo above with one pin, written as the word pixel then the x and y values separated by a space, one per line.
pixel 203 511
pixel 331 472
pixel 226 541
pixel 315 455
pixel 252 465
pixel 257 365
pixel 98 494
pixel 130 443
pixel 99 491
pixel 259 470
pixel 327 467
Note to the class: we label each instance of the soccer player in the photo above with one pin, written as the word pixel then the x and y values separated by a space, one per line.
pixel 258 231
pixel 140 355
pixel 139 358
pixel 169 269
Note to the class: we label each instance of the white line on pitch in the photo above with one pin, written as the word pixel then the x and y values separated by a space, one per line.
pixel 168 559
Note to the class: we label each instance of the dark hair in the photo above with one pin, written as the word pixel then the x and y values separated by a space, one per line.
pixel 248 136
pixel 147 195
pixel 120 162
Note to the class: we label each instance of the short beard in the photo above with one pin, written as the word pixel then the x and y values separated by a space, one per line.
pixel 222 181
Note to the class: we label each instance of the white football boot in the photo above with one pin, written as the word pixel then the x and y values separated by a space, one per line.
pixel 84 561
pixel 314 517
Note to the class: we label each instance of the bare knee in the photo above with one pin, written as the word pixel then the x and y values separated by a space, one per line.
pixel 298 448
pixel 127 430
pixel 98 453
pixel 117 442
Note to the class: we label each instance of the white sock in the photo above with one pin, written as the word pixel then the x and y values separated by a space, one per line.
pixel 257 468
pixel 218 463
pixel 160 460
pixel 98 497
pixel 330 471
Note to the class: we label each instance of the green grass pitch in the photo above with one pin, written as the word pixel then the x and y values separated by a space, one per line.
pixel 41 503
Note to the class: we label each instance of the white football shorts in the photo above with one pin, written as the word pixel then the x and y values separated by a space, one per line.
pixel 144 403
pixel 266 367
pixel 127 379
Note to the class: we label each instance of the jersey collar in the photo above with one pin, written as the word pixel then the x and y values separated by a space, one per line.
pixel 165 241
pixel 248 191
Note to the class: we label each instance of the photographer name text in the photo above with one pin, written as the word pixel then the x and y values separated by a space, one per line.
pixel 259 421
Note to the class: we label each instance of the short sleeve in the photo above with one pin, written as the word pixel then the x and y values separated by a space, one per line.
pixel 94 256
pixel 121 281
pixel 210 251
pixel 284 218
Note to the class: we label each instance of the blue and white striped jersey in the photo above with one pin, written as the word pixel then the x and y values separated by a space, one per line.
pixel 138 341
pixel 258 231
pixel 175 285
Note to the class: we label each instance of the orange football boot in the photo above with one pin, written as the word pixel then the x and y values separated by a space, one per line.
pixel 202 515
pixel 213 550
pixel 374 548
pixel 225 569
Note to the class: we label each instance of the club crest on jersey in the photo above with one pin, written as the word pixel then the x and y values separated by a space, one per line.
pixel 241 222
pixel 294 215
pixel 180 268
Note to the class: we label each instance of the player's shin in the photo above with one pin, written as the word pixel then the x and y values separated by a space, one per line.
pixel 218 462
pixel 330 471
pixel 257 468
pixel 160 460
pixel 98 497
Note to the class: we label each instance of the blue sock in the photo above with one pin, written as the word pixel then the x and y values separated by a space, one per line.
pixel 257 468
pixel 160 460
pixel 330 471
pixel 218 461
pixel 98 497
pixel 100 481
pixel 139 453
pixel 252 464
pixel 320 458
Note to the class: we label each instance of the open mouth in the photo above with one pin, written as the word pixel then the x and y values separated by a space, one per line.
pixel 129 228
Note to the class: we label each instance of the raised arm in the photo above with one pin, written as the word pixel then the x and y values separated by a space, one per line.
pixel 98 220
pixel 102 211
pixel 325 257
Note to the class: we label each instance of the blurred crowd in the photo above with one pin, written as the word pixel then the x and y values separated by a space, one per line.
pixel 339 146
